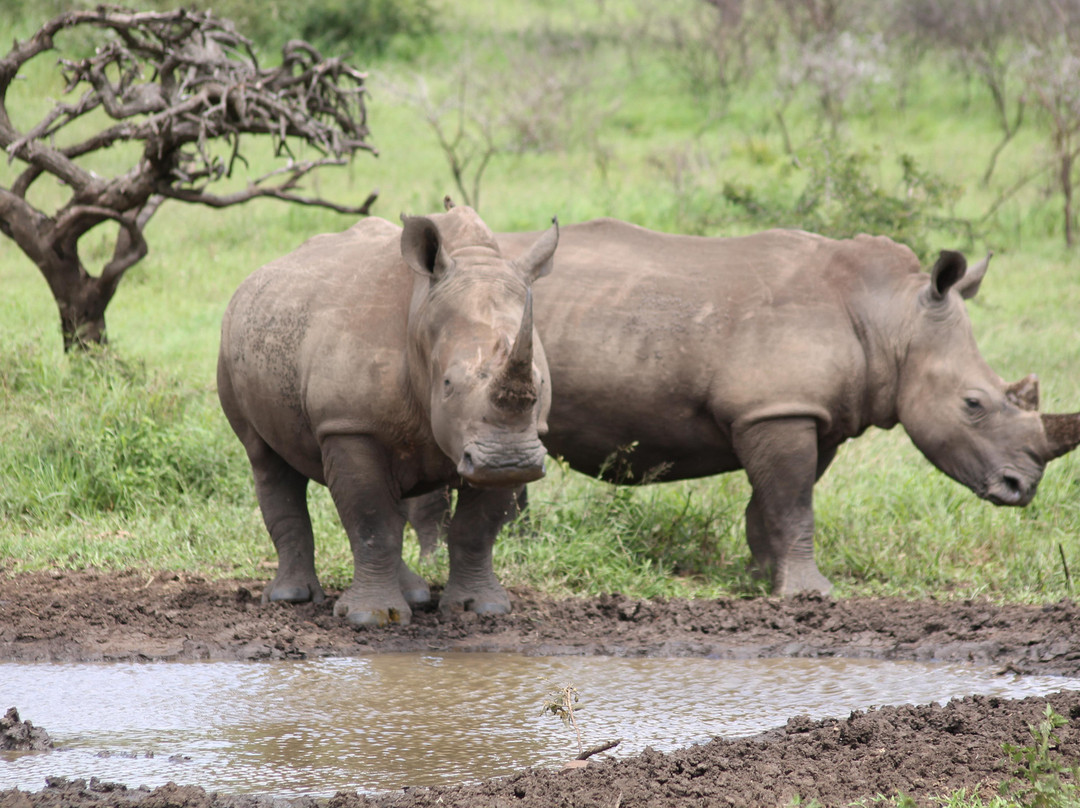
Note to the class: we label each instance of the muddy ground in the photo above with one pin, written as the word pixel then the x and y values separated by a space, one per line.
pixel 921 751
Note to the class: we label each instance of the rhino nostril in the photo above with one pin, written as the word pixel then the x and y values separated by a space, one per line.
pixel 468 465
pixel 1013 484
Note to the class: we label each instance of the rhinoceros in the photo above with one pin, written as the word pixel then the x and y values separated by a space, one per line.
pixel 765 353
pixel 383 362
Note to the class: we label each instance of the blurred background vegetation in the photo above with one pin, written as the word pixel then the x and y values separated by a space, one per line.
pixel 942 123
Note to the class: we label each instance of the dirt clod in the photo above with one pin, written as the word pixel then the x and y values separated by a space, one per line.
pixel 22 735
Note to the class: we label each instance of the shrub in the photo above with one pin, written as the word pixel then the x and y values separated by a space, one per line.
pixel 96 433
pixel 360 27
pixel 841 199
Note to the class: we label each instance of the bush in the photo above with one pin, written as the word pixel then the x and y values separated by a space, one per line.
pixel 95 433
pixel 841 199
pixel 360 27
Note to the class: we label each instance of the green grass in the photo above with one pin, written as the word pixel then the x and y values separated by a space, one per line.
pixel 126 460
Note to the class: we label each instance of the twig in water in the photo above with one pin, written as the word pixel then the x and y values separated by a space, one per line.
pixel 596 750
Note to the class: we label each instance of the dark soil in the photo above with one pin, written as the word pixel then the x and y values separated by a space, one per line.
pixel 921 751
pixel 23 736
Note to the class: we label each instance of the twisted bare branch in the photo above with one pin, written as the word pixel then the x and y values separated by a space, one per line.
pixel 179 83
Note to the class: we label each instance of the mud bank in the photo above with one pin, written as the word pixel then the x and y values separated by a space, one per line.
pixel 921 751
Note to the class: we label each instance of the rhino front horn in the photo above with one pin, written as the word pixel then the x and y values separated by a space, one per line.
pixel 522 354
pixel 514 387
pixel 1062 433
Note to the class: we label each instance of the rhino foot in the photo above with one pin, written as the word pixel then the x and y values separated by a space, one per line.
pixel 413 588
pixel 486 600
pixel 367 609
pixel 293 592
pixel 793 577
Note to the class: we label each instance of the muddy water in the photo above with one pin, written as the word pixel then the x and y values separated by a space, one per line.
pixel 388 721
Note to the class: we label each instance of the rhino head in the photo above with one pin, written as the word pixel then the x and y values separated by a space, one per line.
pixel 979 430
pixel 475 362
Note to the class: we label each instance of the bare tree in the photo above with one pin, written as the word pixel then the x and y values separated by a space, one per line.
pixel 985 38
pixel 524 93
pixel 709 42
pixel 818 20
pixel 185 87
pixel 1051 74
pixel 466 132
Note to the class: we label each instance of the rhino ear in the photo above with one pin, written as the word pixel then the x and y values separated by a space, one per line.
pixel 948 270
pixel 421 247
pixel 538 261
pixel 968 286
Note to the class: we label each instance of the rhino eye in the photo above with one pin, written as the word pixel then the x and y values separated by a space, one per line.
pixel 973 404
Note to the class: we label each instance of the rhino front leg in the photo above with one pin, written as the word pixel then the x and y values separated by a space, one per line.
pixel 781 461
pixel 282 495
pixel 471 585
pixel 358 476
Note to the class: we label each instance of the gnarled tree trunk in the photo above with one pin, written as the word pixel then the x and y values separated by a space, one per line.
pixel 171 81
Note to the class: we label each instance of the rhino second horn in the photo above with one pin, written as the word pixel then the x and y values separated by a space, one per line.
pixel 1024 393
pixel 514 388
pixel 1062 433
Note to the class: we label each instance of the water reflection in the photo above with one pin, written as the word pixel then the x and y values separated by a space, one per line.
pixel 388 721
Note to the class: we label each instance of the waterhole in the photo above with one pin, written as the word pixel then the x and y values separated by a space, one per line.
pixel 394 720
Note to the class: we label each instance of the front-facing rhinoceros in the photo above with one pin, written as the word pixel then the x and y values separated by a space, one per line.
pixel 767 352
pixel 384 362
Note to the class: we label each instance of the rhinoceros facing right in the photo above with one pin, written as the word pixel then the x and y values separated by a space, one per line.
pixel 765 353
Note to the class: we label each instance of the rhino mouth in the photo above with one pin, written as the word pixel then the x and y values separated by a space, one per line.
pixel 485 468
pixel 1010 489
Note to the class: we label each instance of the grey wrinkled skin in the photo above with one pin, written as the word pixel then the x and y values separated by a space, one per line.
pixel 385 362
pixel 765 353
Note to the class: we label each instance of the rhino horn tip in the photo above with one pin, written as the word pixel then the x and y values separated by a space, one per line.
pixel 514 387
pixel 1062 433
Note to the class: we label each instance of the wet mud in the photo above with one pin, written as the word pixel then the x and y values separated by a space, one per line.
pixel 22 736
pixel 921 751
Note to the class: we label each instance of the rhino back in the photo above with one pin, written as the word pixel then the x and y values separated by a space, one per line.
pixel 314 342
pixel 666 341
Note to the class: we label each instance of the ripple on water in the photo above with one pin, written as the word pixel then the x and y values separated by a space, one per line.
pixel 393 720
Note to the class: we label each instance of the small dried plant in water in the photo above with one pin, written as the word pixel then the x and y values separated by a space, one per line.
pixel 562 704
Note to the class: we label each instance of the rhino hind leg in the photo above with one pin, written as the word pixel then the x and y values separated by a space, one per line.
pixel 414 588
pixel 472 585
pixel 429 514
pixel 781 461
pixel 358 476
pixel 282 496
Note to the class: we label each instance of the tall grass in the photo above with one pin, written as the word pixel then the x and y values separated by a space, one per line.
pixel 124 459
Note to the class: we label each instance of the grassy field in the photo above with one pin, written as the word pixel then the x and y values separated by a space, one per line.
pixel 126 459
